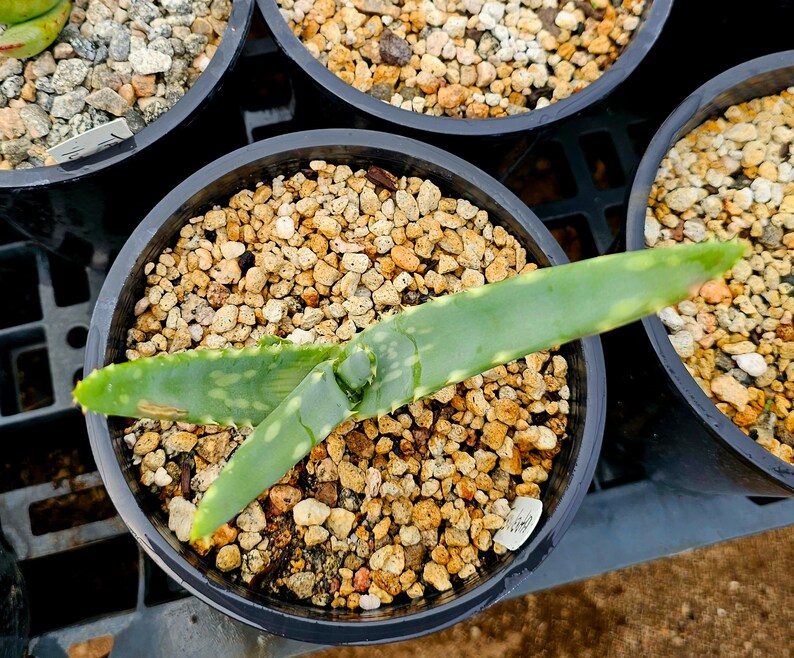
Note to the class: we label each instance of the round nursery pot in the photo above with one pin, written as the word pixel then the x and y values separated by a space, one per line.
pixel 459 134
pixel 572 469
pixel 85 209
pixel 688 442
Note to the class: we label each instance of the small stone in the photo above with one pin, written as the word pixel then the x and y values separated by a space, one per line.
pixel 393 49
pixel 145 61
pixel 404 258
pixel 180 517
pixel 68 105
pixel 228 558
pixel 301 584
pixel 146 443
pixel 340 522
pixel 452 96
pixel 179 442
pixel 283 498
pixel 727 389
pixel 69 74
pixel 37 122
pixel 369 602
pixel 310 512
pixel 390 558
pixel 119 46
pixel 426 515
pixel 437 576
pixel 670 319
pixel 161 477
pixel 683 198
pixel 351 477
pixel 716 292
pixel 683 343
pixel 252 518
pixel 753 364
pixel 362 580
pixel 284 228
pixel 109 101
pixel 315 534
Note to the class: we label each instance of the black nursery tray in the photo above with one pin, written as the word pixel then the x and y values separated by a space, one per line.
pixel 85 576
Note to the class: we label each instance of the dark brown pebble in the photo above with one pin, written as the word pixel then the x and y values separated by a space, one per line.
pixel 382 177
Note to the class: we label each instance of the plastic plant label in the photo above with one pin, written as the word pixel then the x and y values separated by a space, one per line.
pixel 520 523
pixel 91 141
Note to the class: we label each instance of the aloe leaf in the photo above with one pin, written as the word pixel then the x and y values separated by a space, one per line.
pixel 34 35
pixel 16 11
pixel 452 338
pixel 219 387
pixel 306 416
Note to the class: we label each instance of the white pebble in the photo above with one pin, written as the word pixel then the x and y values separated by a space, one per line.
pixel 285 228
pixel 753 363
pixel 161 477
pixel 670 319
pixel 683 343
pixel 369 602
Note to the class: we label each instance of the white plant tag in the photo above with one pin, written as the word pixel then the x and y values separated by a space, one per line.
pixel 520 523
pixel 91 141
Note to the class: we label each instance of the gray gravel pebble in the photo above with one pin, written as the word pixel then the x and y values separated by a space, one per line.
pixel 85 78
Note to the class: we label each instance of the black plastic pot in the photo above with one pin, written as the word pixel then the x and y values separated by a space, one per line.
pixel 689 443
pixel 14 613
pixel 465 137
pixel 84 210
pixel 573 467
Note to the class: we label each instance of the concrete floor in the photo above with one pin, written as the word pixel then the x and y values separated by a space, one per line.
pixel 732 599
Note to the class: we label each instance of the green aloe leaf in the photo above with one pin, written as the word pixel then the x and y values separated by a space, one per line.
pixel 32 36
pixel 208 387
pixel 452 338
pixel 17 11
pixel 305 417
pixel 309 390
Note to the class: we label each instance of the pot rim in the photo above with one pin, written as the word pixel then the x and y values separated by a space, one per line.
pixel 754 78
pixel 635 51
pixel 367 629
pixel 205 87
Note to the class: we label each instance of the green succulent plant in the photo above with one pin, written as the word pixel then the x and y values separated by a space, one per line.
pixel 295 395
pixel 31 25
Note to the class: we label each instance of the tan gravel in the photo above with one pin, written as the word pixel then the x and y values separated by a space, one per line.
pixel 732 176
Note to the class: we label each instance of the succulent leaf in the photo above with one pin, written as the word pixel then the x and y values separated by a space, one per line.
pixel 305 417
pixel 308 390
pixel 487 326
pixel 222 387
pixel 17 11
pixel 32 36
pixel 452 338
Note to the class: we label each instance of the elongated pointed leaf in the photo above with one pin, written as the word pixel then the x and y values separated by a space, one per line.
pixel 32 36
pixel 452 338
pixel 17 11
pixel 316 406
pixel 221 387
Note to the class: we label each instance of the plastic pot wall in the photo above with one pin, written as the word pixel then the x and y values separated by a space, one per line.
pixel 84 210
pixel 478 140
pixel 688 442
pixel 215 183
pixel 14 611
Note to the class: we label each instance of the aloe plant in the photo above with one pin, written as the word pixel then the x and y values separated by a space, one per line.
pixel 295 395
pixel 32 25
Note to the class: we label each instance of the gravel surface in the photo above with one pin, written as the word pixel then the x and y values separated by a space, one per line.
pixel 389 509
pixel 733 176
pixel 130 59
pixel 466 58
